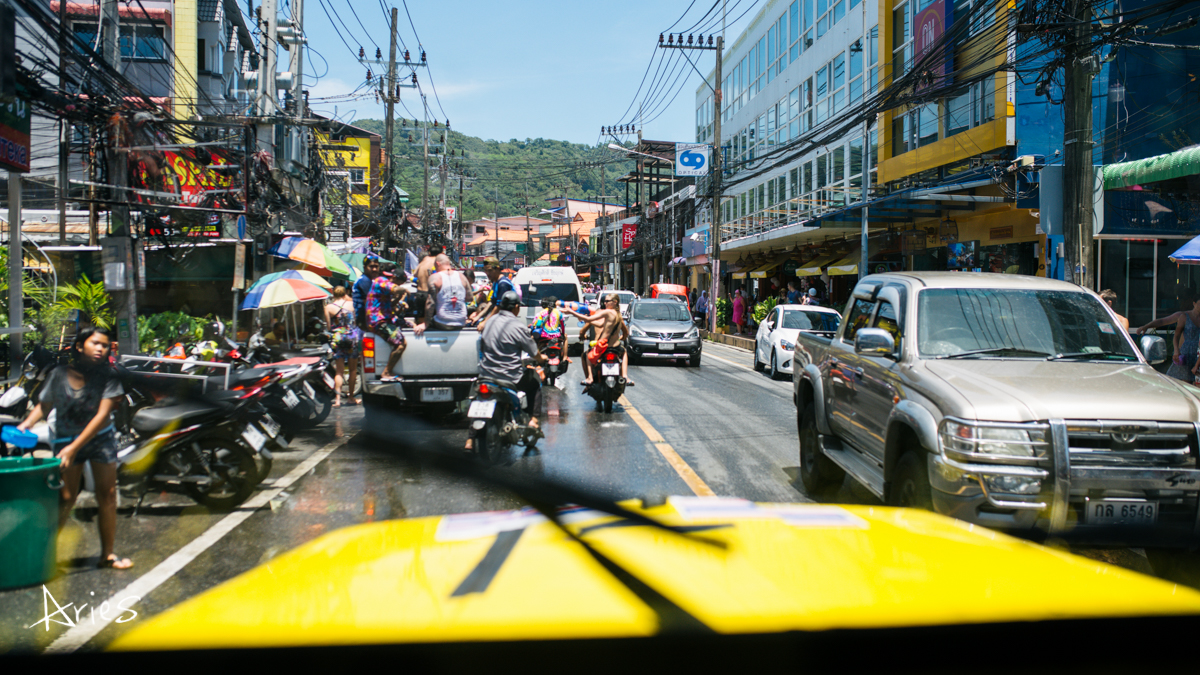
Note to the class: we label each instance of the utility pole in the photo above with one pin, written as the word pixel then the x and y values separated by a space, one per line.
pixel 425 169
pixel 64 130
pixel 390 97
pixel 16 263
pixel 640 198
pixel 120 257
pixel 528 235
pixel 1079 176
pixel 297 59
pixel 267 63
pixel 866 192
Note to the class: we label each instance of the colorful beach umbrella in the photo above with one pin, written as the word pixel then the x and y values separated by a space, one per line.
pixel 358 259
pixel 282 292
pixel 309 252
pixel 303 275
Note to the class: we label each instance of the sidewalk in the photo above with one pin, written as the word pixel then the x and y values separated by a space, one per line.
pixel 731 340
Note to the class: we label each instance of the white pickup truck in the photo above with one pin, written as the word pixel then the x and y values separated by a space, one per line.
pixel 432 377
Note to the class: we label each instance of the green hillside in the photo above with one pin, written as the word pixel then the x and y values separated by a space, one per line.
pixel 503 169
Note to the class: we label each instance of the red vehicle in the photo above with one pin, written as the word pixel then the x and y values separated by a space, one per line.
pixel 674 291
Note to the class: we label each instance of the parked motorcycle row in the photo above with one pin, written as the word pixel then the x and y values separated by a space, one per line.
pixel 205 425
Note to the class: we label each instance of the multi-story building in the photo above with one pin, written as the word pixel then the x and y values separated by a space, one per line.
pixel 968 176
pixel 351 157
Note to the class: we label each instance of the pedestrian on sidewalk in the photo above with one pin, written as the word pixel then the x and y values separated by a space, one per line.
pixel 739 311
pixel 1110 296
pixel 702 308
pixel 84 394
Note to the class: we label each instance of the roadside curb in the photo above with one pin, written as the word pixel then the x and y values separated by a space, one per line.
pixel 731 340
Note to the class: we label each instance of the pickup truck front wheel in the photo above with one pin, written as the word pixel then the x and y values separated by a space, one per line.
pixel 818 473
pixel 910 488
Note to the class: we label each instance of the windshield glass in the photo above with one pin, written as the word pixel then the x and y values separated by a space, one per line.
pixel 1016 324
pixel 799 319
pixel 533 294
pixel 660 311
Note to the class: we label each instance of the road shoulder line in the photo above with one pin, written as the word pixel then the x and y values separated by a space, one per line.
pixel 81 633
pixel 689 475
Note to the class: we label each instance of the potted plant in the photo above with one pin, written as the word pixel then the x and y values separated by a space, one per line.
pixel 724 314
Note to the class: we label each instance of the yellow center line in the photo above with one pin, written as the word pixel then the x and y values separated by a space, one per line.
pixel 689 475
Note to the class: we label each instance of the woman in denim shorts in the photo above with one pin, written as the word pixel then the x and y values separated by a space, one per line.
pixel 84 394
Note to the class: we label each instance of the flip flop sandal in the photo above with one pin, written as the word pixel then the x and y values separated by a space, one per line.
pixel 111 563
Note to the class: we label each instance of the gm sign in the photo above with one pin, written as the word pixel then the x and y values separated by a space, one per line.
pixel 691 159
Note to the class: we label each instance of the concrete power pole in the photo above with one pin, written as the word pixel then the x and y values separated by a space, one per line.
pixel 267 64
pixel 425 168
pixel 389 142
pixel 297 59
pixel 1079 176
pixel 715 232
pixel 120 256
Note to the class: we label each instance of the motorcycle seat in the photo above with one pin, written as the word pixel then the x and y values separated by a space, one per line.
pixel 151 420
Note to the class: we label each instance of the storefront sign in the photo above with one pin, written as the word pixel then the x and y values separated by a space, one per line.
pixel 194 179
pixel 628 232
pixel 335 236
pixel 451 211
pixel 691 159
pixel 239 266
pixel 929 26
pixel 210 229
pixel 1001 232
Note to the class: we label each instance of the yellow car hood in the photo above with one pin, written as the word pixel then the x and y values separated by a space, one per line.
pixel 515 575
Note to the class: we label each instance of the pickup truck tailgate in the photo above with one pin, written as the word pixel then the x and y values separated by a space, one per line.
pixel 439 353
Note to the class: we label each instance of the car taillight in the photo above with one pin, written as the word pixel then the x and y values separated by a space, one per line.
pixel 485 390
pixel 368 355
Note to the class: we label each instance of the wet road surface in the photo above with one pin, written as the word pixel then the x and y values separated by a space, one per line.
pixel 718 429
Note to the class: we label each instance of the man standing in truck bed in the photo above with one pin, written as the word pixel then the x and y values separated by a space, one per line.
pixel 385 314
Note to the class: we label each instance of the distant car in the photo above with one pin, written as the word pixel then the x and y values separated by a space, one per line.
pixel 481 282
pixel 777 334
pixel 592 300
pixel 626 298
pixel 663 329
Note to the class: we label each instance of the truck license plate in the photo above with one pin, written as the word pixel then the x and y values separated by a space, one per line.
pixel 482 409
pixel 666 347
pixel 1121 512
pixel 436 394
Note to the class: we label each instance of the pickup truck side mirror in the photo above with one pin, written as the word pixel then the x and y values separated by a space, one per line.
pixel 874 342
pixel 1153 348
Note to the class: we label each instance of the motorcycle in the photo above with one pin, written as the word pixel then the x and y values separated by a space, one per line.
pixel 607 384
pixel 209 449
pixel 499 421
pixel 556 361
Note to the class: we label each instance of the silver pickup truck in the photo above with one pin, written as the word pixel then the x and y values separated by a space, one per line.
pixel 433 376
pixel 1009 401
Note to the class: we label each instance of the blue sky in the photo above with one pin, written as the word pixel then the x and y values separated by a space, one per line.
pixel 518 69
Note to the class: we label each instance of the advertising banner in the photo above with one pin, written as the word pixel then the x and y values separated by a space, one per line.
pixel 691 159
pixel 14 134
pixel 628 232
pixel 451 211
pixel 929 26
pixel 239 266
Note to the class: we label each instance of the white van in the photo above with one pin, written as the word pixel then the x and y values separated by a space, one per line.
pixel 536 283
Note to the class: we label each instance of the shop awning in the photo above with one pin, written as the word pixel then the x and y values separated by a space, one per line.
pixel 765 270
pixel 813 267
pixel 741 272
pixel 1185 162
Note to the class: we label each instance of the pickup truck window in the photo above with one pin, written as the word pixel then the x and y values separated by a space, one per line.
pixel 860 315
pixel 1000 323
pixel 885 318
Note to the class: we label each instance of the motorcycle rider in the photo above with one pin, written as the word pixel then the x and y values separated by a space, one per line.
pixel 611 331
pixel 504 339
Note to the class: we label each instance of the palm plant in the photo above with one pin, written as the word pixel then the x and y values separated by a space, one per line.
pixel 90 299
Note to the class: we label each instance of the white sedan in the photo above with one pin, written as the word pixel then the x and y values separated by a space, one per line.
pixel 777 334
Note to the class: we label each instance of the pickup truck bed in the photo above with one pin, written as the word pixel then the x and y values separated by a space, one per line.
pixel 435 372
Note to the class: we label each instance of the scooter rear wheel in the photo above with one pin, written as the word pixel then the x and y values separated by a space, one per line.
pixel 234 470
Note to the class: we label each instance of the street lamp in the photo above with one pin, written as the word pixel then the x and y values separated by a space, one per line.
pixel 621 148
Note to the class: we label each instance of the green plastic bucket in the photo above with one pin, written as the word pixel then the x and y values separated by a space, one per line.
pixel 28 520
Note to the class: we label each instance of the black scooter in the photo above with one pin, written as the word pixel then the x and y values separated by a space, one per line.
pixel 499 421
pixel 607 384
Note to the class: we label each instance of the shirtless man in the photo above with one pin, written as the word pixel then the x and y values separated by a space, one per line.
pixel 609 327
pixel 425 269
pixel 446 307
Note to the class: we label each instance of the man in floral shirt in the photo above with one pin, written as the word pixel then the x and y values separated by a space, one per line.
pixel 385 314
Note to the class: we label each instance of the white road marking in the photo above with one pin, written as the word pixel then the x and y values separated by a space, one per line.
pixel 79 635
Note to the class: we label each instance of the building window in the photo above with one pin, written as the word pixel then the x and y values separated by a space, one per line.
pixel 143 43
pixel 358 176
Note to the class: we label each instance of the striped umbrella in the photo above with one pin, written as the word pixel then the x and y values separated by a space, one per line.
pixel 302 275
pixel 282 292
pixel 309 252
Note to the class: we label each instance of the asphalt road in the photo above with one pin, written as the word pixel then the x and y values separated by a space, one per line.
pixel 718 429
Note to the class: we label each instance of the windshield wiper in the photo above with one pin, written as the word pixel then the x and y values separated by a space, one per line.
pixel 1083 355
pixel 994 350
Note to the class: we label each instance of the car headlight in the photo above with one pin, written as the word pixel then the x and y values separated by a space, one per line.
pixel 636 332
pixel 693 333
pixel 786 346
pixel 968 439
pixel 1021 485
